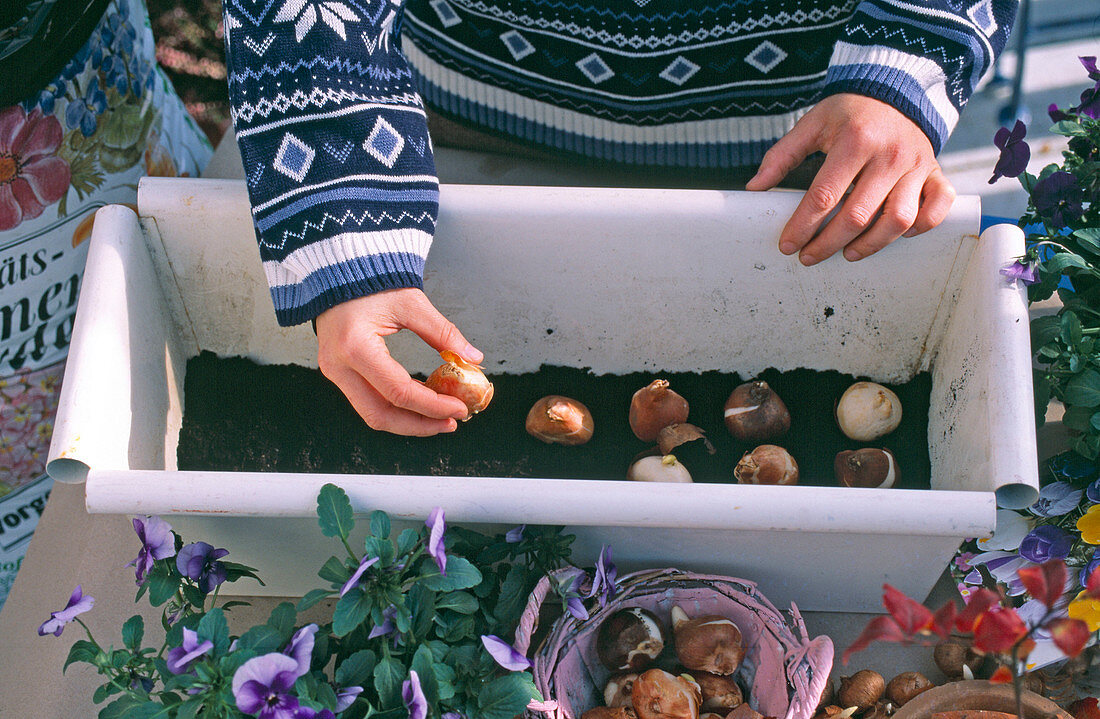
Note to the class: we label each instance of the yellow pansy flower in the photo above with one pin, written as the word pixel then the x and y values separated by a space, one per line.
pixel 1089 525
pixel 1085 609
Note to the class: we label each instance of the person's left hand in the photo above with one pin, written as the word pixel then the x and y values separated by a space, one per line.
pixel 899 186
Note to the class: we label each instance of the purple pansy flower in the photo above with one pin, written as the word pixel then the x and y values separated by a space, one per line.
pixel 354 578
pixel 515 534
pixel 504 653
pixel 1056 499
pixel 345 697
pixel 1090 98
pixel 387 625
pixel 1092 492
pixel 1015 153
pixel 198 561
pixel 1056 113
pixel 157 542
pixel 1046 542
pixel 300 648
pixel 436 524
pixel 1022 271
pixel 262 687
pixel 77 604
pixel 1089 63
pixel 1089 568
pixel 1003 566
pixel 310 713
pixel 413 696
pixel 603 584
pixel 452 715
pixel 1057 197
pixel 181 658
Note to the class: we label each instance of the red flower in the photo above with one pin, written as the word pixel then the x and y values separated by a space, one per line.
pixel 32 176
pixel 1046 582
pixel 997 630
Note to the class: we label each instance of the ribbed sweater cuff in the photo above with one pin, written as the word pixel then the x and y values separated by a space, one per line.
pixel 915 86
pixel 344 267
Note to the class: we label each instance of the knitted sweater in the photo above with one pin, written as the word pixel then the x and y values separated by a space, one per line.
pixel 334 137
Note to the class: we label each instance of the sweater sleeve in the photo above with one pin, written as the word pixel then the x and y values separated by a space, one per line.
pixel 335 147
pixel 924 58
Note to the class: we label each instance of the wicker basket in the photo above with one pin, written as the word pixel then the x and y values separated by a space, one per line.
pixel 783 672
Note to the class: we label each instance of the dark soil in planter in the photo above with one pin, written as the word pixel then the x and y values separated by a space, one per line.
pixel 240 416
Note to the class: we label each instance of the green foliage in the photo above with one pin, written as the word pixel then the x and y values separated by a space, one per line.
pixel 1067 257
pixel 431 623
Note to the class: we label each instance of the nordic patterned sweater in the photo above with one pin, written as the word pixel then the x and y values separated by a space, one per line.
pixel 333 135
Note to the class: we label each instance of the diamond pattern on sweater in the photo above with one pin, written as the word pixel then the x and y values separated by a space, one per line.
pixel 679 70
pixel 517 44
pixel 294 158
pixel 447 15
pixel 766 56
pixel 982 16
pixel 384 143
pixel 594 68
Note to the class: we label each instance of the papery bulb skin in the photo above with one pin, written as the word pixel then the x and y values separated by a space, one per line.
pixel 618 690
pixel 630 639
pixel 655 468
pixel 458 378
pixel 867 411
pixel 610 713
pixel 710 643
pixel 867 467
pixel 655 407
pixel 560 420
pixel 755 413
pixel 767 464
pixel 720 693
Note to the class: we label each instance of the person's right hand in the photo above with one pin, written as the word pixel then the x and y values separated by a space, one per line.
pixel 352 354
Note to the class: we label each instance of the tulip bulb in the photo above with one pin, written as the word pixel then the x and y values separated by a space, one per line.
pixel 767 464
pixel 867 467
pixel 655 468
pixel 660 695
pixel 755 413
pixel 560 420
pixel 463 380
pixel 867 411
pixel 654 407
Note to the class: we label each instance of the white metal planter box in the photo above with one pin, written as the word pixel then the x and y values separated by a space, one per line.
pixel 611 270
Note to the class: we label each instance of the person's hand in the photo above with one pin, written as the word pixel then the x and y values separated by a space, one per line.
pixel 352 353
pixel 899 187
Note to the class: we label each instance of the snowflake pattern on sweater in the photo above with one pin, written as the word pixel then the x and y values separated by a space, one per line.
pixel 334 137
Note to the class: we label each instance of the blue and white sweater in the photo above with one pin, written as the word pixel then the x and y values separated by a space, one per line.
pixel 334 136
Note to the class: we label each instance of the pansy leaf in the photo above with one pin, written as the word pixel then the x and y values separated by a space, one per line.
pixel 1061 262
pixel 1069 128
pixel 133 630
pixel 282 618
pixel 380 524
pixel 506 696
pixel 213 626
pixel 312 597
pixel 81 651
pixel 334 512
pixel 325 695
pixel 420 603
pixel 162 586
pixel 1044 330
pixel 422 664
pixel 1083 389
pixel 388 675
pixel 352 609
pixel 1077 418
pixel 461 602
pixel 104 691
pixel 356 669
pixel 334 570
pixel 381 548
pixel 461 574
pixel 1071 328
pixel 1089 237
pixel 261 638
pixel 513 598
pixel 235 571
pixel 407 540
pixel 190 709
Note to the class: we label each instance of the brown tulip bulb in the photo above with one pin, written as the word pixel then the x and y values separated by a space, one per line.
pixel 710 643
pixel 767 464
pixel 560 420
pixel 617 691
pixel 956 658
pixel 630 639
pixel 655 407
pixel 905 686
pixel 744 711
pixel 755 413
pixel 720 693
pixel 861 690
pixel 609 713
pixel 459 378
pixel 660 695
pixel 867 467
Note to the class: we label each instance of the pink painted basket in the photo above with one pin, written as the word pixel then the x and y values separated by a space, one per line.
pixel 784 671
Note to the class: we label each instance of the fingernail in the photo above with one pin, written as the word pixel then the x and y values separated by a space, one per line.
pixel 451 426
pixel 472 353
pixel 807 260
pixel 852 255
pixel 787 248
pixel 910 233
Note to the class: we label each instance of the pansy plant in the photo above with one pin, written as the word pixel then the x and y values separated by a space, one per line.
pixel 418 625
